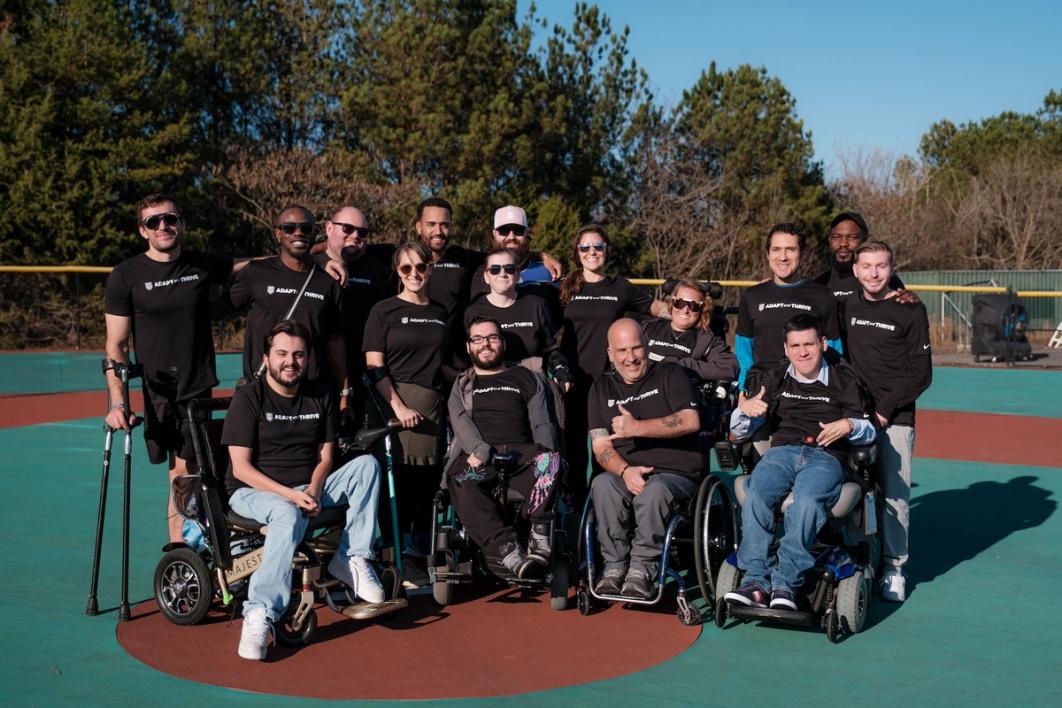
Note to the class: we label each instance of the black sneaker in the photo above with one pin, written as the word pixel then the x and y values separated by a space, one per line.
pixel 538 546
pixel 638 585
pixel 749 594
pixel 610 581
pixel 782 599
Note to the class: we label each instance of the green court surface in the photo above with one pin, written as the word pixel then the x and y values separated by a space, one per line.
pixel 980 627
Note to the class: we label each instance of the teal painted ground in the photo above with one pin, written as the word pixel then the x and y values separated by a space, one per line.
pixel 981 626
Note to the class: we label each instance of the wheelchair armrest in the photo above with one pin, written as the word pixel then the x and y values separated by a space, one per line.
pixel 198 410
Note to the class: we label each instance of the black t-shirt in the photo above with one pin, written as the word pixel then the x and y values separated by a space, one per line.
pixel 370 279
pixel 766 308
pixel 451 278
pixel 888 345
pixel 526 324
pixel 499 406
pixel 795 409
pixel 664 390
pixel 282 433
pixel 269 287
pixel 843 283
pixel 587 319
pixel 663 342
pixel 169 307
pixel 413 339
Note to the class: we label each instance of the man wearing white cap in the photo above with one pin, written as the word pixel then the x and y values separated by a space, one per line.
pixel 537 270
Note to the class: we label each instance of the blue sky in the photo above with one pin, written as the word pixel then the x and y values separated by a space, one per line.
pixel 865 76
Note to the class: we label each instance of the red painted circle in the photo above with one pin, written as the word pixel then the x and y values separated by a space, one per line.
pixel 497 645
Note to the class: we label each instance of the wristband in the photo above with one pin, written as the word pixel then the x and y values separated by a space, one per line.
pixel 624 470
pixel 119 404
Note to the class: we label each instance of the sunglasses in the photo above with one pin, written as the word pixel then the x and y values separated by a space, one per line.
pixel 290 227
pixel 680 304
pixel 169 218
pixel 496 269
pixel 511 229
pixel 480 339
pixel 585 247
pixel 348 229
pixel 407 268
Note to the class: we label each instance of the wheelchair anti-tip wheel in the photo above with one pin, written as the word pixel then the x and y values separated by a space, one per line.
pixel 714 534
pixel 184 587
pixel 289 636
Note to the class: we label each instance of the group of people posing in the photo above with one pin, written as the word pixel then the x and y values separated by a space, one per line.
pixel 586 371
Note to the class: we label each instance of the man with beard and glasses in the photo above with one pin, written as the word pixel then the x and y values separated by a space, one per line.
pixel 370 279
pixel 161 299
pixel 280 431
pixel 270 286
pixel 644 425
pixel 500 407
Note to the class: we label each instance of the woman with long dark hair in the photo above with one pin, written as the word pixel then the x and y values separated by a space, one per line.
pixel 592 300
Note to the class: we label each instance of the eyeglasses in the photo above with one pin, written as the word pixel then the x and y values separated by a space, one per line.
pixel 290 227
pixel 513 229
pixel 680 304
pixel 407 268
pixel 585 247
pixel 480 339
pixel 348 229
pixel 496 269
pixel 169 218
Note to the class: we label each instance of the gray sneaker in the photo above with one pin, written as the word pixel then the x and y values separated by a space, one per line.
pixel 638 585
pixel 538 546
pixel 611 581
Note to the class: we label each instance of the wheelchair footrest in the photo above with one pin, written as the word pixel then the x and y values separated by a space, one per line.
pixel 372 610
pixel 767 614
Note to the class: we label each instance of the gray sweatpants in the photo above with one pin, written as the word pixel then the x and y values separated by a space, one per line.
pixel 895 449
pixel 621 516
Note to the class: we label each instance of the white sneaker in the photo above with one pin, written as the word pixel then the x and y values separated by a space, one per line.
pixel 256 635
pixel 358 575
pixel 893 586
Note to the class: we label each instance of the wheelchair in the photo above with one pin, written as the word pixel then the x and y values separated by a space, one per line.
pixel 456 560
pixel 187 581
pixel 698 538
pixel 836 592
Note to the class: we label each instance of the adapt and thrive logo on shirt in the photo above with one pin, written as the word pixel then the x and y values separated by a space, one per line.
pixel 790 305
pixel 859 322
pixel 637 397
pixel 422 320
pixel 152 284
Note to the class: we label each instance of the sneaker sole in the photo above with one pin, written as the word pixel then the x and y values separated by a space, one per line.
pixel 742 600
pixel 783 605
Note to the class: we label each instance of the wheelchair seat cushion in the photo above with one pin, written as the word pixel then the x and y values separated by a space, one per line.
pixel 851 493
pixel 332 516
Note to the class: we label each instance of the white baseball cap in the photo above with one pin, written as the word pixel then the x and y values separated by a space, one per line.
pixel 510 215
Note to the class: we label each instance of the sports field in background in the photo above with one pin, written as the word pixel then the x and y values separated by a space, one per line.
pixel 981 625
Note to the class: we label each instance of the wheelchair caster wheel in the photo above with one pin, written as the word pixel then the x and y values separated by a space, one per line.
pixel 288 636
pixel 833 625
pixel 442 592
pixel 558 590
pixel 582 600
pixel 720 613
pixel 687 614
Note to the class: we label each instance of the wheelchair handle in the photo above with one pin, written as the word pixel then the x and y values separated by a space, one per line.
pixel 367 437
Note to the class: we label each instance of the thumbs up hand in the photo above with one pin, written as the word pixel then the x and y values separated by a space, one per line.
pixel 624 425
pixel 755 407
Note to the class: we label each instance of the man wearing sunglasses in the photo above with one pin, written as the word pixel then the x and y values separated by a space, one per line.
pixel 370 279
pixel 499 407
pixel 161 298
pixel 270 286
pixel 537 272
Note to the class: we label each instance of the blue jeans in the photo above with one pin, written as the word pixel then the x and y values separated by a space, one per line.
pixel 815 476
pixel 356 484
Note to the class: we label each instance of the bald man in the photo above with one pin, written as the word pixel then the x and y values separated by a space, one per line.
pixel 370 279
pixel 644 425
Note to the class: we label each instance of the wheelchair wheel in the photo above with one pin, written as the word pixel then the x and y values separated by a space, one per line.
pixel 288 635
pixel 853 600
pixel 443 592
pixel 829 621
pixel 558 591
pixel 583 601
pixel 726 581
pixel 184 587
pixel 714 534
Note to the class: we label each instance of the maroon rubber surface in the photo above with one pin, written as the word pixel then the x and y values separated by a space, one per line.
pixel 497 645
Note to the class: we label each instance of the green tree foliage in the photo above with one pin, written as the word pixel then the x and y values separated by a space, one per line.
pixel 85 131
